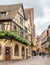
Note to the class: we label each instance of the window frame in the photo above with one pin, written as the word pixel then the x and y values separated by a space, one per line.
pixel 23 51
pixel 16 50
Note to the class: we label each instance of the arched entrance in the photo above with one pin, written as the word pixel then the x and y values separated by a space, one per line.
pixel 7 47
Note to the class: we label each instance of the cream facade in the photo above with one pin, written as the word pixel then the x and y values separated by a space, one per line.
pixel 11 46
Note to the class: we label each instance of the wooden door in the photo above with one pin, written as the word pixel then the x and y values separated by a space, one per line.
pixel 7 53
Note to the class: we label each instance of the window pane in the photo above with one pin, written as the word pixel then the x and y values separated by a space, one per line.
pixel 23 51
pixel 21 32
pixel 16 50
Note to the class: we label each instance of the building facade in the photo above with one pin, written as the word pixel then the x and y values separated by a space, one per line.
pixel 31 26
pixel 15 33
pixel 39 47
pixel 45 37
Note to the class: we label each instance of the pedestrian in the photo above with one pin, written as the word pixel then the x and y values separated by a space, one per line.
pixel 43 54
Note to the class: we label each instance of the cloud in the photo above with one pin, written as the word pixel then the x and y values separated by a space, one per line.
pixel 37 5
pixel 43 22
pixel 47 2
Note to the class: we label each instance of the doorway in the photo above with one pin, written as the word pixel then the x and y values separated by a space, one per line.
pixel 7 53
pixel 26 53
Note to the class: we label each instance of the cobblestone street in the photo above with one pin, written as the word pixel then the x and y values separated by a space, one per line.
pixel 31 61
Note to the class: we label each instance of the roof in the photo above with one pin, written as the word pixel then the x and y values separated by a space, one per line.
pixel 10 9
pixel 29 13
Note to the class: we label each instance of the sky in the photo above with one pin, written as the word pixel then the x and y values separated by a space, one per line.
pixel 41 12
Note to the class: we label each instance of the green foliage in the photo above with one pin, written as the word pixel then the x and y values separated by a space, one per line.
pixel 13 36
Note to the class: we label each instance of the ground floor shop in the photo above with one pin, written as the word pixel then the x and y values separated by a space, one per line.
pixel 13 50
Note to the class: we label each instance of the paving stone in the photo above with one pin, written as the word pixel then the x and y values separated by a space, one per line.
pixel 38 60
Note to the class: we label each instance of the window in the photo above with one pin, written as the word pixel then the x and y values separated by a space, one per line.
pixel 3 26
pixel 23 51
pixel 0 50
pixel 16 50
pixel 18 30
pixel 29 50
pixel 21 21
pixel 14 27
pixel 26 30
pixel 21 32
pixel 26 53
pixel 0 27
pixel 26 36
pixel 44 39
pixel 29 38
pixel 2 14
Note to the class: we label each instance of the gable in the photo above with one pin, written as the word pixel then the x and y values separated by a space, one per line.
pixel 9 10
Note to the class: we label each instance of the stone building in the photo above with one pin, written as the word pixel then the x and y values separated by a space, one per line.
pixel 15 32
pixel 45 37
pixel 31 26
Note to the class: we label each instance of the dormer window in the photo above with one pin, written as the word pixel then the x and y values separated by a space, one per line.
pixel 2 14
